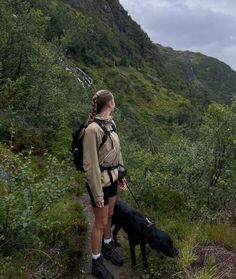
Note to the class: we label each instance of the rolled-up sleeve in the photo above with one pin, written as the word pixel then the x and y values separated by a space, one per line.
pixel 91 163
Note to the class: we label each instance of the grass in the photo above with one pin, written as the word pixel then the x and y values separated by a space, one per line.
pixel 187 235
pixel 59 248
pixel 209 271
pixel 223 234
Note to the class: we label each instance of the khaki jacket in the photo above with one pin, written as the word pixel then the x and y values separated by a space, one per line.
pixel 92 157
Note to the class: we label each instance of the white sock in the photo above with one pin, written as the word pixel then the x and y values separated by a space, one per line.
pixel 107 240
pixel 95 256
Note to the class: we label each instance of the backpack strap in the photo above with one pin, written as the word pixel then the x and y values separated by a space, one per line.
pixel 107 133
pixel 109 169
pixel 113 126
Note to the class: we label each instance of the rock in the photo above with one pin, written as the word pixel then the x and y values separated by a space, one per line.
pixel 4 174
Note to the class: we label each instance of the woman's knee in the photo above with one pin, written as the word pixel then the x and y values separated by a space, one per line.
pixel 101 217
pixel 101 224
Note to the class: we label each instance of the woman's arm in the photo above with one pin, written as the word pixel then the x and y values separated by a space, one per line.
pixel 121 159
pixel 91 163
pixel 121 182
pixel 120 154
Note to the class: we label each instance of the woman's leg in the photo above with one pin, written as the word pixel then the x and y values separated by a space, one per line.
pixel 107 228
pixel 109 249
pixel 101 220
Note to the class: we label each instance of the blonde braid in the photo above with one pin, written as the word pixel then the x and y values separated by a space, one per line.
pixel 92 112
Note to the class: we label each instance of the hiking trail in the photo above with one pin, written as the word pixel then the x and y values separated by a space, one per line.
pixel 225 259
pixel 85 264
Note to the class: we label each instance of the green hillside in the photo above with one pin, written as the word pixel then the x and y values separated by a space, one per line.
pixel 201 77
pixel 176 118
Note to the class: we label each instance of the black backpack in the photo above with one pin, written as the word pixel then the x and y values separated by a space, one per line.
pixel 77 144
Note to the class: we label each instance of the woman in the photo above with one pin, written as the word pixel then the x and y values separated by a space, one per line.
pixel 102 185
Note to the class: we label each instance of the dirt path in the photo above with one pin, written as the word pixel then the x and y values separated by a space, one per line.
pixel 225 259
pixel 85 263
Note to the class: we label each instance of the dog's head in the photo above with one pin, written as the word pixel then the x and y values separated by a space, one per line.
pixel 161 241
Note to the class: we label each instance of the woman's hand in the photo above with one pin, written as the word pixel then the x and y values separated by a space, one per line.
pixel 99 203
pixel 123 184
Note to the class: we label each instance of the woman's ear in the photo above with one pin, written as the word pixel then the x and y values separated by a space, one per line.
pixel 112 105
pixel 109 104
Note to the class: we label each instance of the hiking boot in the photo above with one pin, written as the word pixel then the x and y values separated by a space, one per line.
pixel 99 270
pixel 110 253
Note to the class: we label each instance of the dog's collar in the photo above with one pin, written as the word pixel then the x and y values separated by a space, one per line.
pixel 149 223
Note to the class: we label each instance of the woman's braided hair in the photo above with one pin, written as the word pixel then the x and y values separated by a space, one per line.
pixel 99 100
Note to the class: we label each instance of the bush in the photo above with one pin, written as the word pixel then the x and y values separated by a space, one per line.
pixel 27 195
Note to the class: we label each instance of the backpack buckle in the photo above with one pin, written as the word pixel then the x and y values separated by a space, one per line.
pixel 102 167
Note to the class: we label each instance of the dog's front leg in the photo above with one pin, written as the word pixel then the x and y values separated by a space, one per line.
pixel 144 255
pixel 132 253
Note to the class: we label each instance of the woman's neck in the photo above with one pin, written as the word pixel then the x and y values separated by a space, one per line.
pixel 105 113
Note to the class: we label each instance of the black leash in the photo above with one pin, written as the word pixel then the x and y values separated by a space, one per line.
pixel 137 202
pixel 150 223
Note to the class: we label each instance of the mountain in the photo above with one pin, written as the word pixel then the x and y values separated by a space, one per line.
pixel 201 74
pixel 68 49
pixel 123 39
pixel 191 74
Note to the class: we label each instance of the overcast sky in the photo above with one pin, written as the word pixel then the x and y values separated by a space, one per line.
pixel 207 26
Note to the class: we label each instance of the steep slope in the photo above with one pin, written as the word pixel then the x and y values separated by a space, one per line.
pixel 193 75
pixel 131 43
pixel 205 76
pixel 75 47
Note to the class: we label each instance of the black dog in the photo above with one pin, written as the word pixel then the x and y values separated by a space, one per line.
pixel 140 231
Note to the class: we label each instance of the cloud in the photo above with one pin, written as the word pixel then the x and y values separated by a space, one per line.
pixel 208 27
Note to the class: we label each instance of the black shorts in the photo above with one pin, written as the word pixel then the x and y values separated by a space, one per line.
pixel 108 191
